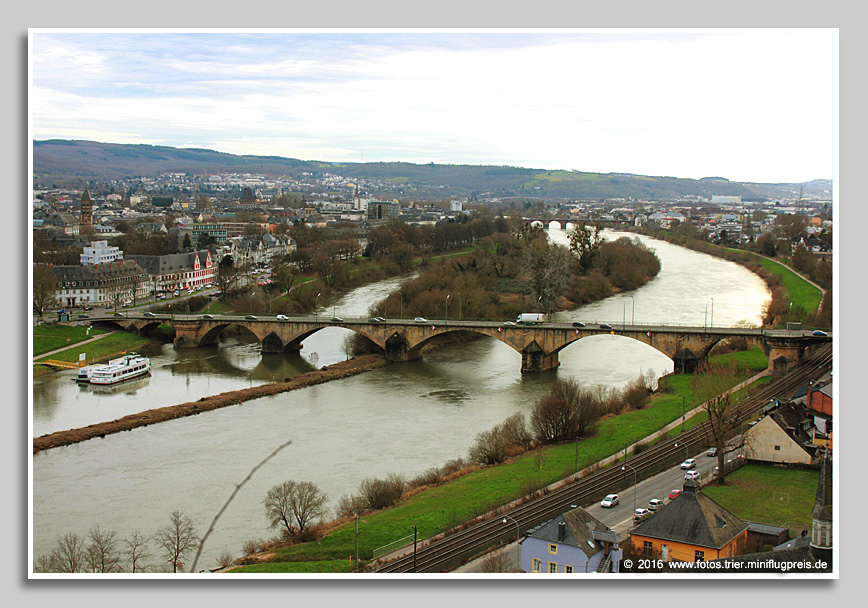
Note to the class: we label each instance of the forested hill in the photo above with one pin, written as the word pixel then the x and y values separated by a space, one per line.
pixel 70 161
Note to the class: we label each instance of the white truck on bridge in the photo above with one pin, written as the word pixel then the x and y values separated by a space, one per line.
pixel 530 318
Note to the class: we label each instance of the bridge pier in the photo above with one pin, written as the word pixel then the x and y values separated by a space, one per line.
pixel 535 360
pixel 398 350
pixel 784 357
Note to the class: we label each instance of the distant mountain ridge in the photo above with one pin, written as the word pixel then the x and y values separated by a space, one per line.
pixel 66 161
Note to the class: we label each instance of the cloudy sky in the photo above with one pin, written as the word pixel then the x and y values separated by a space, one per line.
pixel 749 105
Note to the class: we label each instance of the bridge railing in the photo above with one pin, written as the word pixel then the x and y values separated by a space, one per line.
pixel 442 321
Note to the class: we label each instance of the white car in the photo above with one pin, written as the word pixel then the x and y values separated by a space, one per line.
pixel 654 504
pixel 691 475
pixel 689 463
pixel 610 501
pixel 420 320
pixel 282 318
pixel 640 513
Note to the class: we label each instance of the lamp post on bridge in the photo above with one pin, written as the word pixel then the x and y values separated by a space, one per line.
pixel 316 306
pixel 446 320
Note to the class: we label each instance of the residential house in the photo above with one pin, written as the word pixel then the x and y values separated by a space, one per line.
pixel 574 542
pixel 782 436
pixel 691 527
pixel 260 250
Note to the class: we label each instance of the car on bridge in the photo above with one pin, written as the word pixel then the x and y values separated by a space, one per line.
pixel 578 324
pixel 605 326
pixel 252 318
pixel 420 320
pixel 150 314
pixel 337 320
pixel 376 320
pixel 207 316
pixel 819 333
pixel 282 318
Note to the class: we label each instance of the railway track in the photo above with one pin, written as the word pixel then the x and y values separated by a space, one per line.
pixel 450 551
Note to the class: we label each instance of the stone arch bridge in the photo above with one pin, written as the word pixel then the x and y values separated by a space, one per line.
pixel 538 344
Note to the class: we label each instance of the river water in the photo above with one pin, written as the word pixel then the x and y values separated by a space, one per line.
pixel 404 418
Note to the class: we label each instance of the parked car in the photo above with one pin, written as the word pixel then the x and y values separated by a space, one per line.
pixel 640 513
pixel 578 324
pixel 150 314
pixel 86 308
pixel 689 463
pixel 337 320
pixel 817 332
pixel 420 320
pixel 654 504
pixel 610 501
pixel 674 494
pixel 711 452
pixel 691 475
pixel 251 318
pixel 605 326
pixel 282 318
pixel 83 316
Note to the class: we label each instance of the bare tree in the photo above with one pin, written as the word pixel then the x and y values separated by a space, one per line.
pixel 293 505
pixel 44 288
pixel 549 267
pixel 68 554
pixel 137 552
pixel 715 389
pixel 101 553
pixel 177 540
pixel 496 561
pixel 567 411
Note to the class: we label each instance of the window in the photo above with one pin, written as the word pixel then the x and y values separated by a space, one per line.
pixel 553 567
pixel 553 549
pixel 777 448
pixel 568 569
pixel 699 556
pixel 536 565
pixel 647 546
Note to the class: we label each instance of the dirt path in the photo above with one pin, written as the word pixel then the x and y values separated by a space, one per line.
pixel 343 369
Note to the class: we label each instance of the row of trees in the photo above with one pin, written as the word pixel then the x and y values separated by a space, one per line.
pixel 104 552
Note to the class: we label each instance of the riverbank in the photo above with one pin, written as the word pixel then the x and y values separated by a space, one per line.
pixel 337 371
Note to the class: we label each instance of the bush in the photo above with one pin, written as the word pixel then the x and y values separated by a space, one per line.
pixel 350 506
pixel 567 411
pixel 382 493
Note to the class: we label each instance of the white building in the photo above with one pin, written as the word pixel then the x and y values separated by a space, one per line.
pixel 457 206
pixel 99 252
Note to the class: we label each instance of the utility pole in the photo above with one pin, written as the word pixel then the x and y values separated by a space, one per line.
pixel 414 548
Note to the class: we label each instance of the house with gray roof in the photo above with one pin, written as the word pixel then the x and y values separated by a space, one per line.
pixel 186 270
pixel 785 435
pixel 690 527
pixel 575 542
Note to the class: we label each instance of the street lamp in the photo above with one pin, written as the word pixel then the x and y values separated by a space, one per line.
pixel 517 542
pixel 446 320
pixel 252 293
pixel 316 306
pixel 627 466
pixel 686 450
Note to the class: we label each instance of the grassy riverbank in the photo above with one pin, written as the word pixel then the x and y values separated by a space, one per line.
pixel 104 348
pixel 436 509
pixel 47 338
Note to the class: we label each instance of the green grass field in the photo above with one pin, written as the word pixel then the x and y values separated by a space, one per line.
pixel 103 348
pixel 801 292
pixel 768 495
pixel 47 338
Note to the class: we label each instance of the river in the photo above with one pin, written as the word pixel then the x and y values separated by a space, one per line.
pixel 404 418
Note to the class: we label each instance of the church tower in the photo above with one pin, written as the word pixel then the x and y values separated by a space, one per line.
pixel 821 515
pixel 85 221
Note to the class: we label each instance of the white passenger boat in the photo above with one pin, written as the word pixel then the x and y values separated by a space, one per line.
pixel 129 366
pixel 85 373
